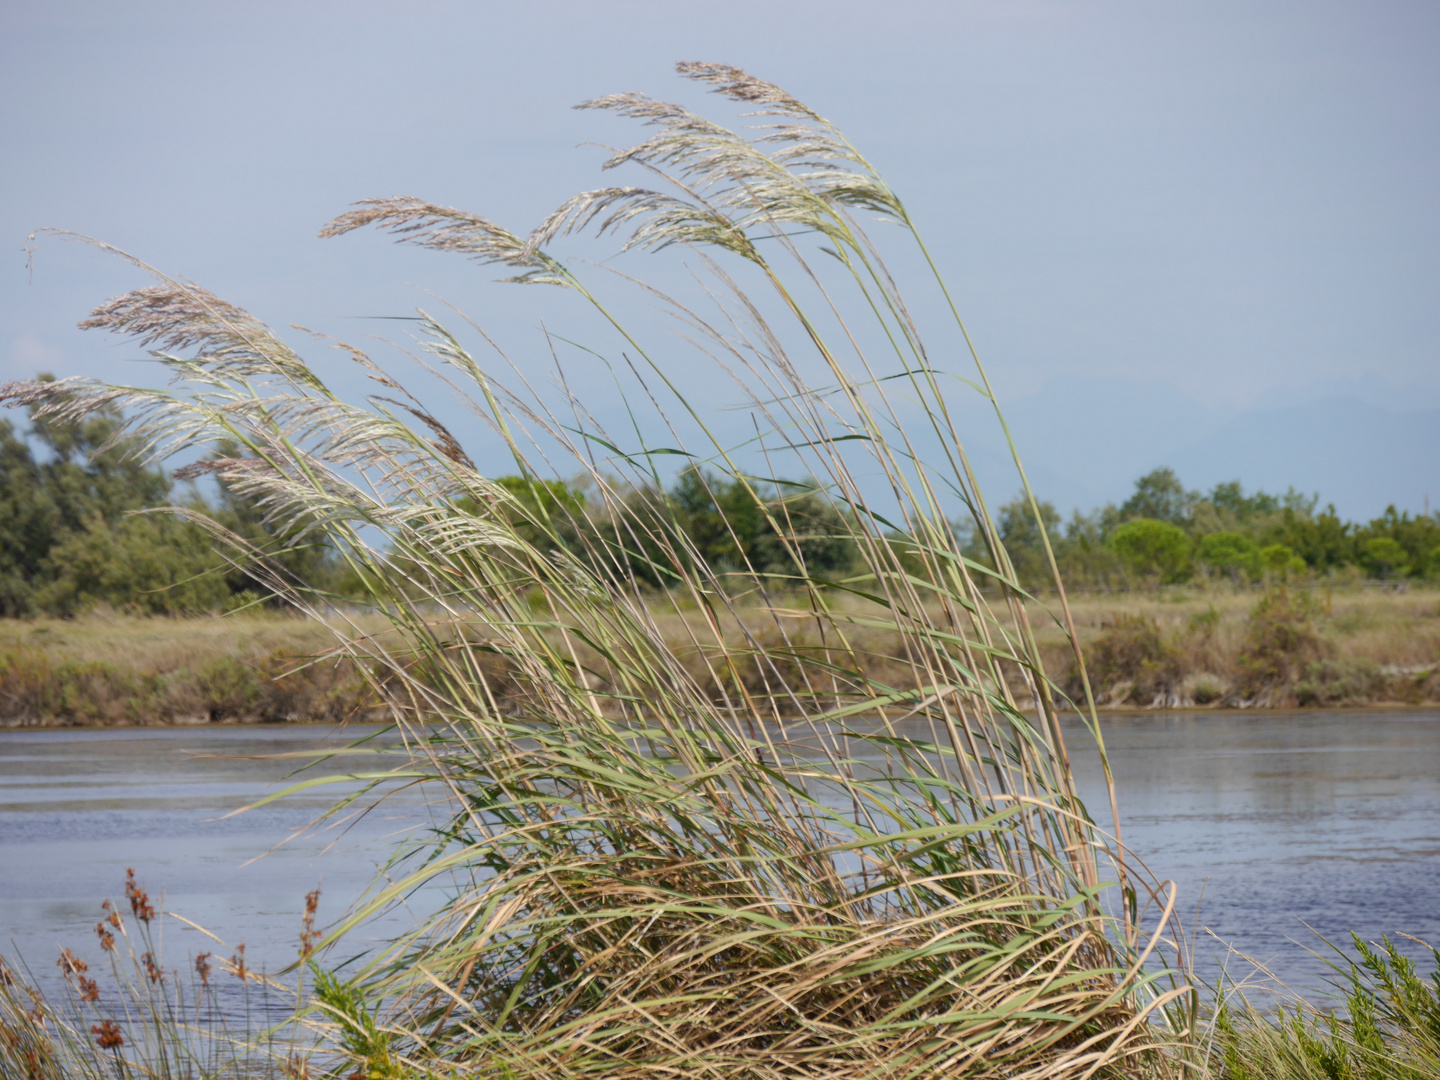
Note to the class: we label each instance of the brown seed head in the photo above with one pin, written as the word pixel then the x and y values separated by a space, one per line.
pixel 70 964
pixel 107 939
pixel 202 968
pixel 139 899
pixel 89 989
pixel 153 969
pixel 107 1035
pixel 308 934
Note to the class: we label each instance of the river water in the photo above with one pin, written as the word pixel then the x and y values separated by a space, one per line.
pixel 1267 821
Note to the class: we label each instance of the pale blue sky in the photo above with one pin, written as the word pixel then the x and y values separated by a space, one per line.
pixel 1196 234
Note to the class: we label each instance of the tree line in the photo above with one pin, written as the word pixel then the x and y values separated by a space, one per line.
pixel 74 532
pixel 1165 533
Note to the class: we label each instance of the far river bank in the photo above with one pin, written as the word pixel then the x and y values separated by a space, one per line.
pixel 1186 649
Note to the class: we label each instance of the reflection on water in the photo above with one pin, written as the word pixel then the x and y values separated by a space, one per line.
pixel 1280 819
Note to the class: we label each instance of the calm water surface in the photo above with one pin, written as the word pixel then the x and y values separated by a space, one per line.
pixel 77 808
pixel 1272 821
pixel 1280 820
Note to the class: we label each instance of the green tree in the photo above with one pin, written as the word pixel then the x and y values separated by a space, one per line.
pixel 723 518
pixel 1416 536
pixel 28 522
pixel 1160 496
pixel 93 469
pixel 1153 548
pixel 1385 554
pixel 806 528
pixel 735 525
pixel 68 535
pixel 1231 554
pixel 1023 540
pixel 1322 540
pixel 1279 561
pixel 155 564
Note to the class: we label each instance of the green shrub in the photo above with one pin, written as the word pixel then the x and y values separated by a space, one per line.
pixel 1346 680
pixel 227 688
pixel 1153 548
pixel 1383 1024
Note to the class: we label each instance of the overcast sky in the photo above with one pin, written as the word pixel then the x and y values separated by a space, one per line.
pixel 1161 218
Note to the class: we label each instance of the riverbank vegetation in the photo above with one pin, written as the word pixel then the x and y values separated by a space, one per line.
pixel 660 852
pixel 647 877
pixel 1178 647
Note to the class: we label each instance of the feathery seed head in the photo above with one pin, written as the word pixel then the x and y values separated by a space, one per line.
pixel 176 316
pixel 738 85
pixel 444 228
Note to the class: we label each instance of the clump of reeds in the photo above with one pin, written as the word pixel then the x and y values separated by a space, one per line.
pixel 128 1016
pixel 778 865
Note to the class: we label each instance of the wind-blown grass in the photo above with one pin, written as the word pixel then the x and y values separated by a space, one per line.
pixel 657 873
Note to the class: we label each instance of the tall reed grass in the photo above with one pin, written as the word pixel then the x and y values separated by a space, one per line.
pixel 801 872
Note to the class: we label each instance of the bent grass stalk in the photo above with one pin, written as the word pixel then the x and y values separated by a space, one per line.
pixel 801 872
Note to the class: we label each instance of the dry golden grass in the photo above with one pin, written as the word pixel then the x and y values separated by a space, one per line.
pixel 109 669
pixel 1371 646
pixel 1381 646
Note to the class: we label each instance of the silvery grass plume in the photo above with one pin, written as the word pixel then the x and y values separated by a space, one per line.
pixel 728 850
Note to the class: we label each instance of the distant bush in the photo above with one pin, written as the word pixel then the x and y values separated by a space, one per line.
pixel 1238 557
pixel 1235 536
pixel 1281 641
pixel 1280 562
pixel 1131 662
pixel 1345 680
pixel 1387 557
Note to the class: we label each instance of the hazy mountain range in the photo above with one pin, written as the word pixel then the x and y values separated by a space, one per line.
pixel 1084 441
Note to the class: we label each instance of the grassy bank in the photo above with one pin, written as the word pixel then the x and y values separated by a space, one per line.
pixel 110 669
pixel 1245 648
pixel 1161 650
